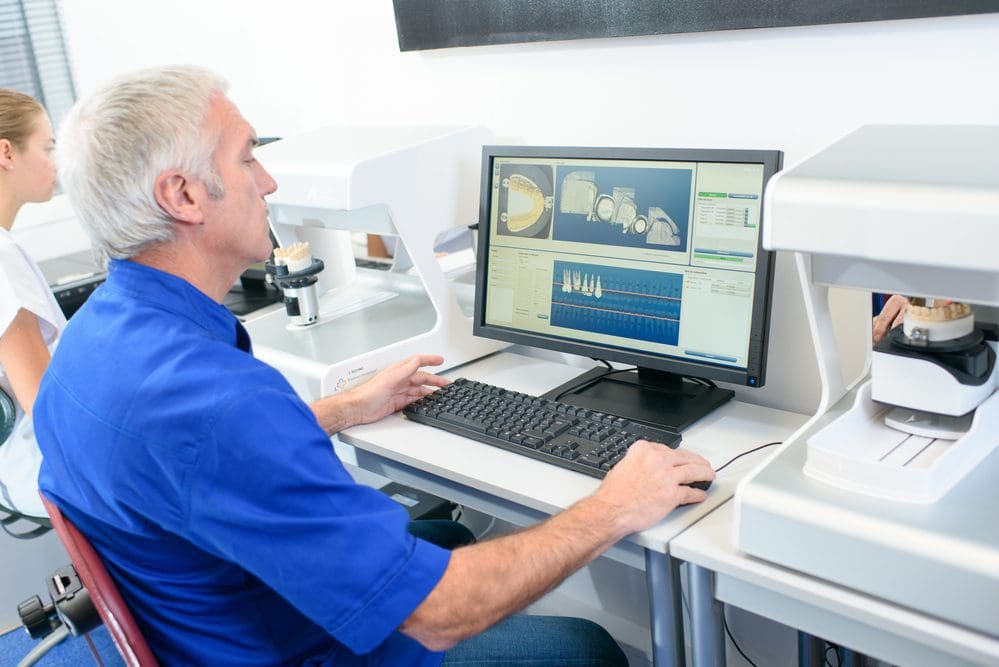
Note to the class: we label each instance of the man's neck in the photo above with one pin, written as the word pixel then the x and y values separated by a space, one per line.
pixel 185 262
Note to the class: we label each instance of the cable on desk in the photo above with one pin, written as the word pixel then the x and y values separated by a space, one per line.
pixel 706 382
pixel 729 633
pixel 604 362
pixel 748 451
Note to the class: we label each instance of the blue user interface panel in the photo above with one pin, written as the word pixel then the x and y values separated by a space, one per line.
pixel 651 256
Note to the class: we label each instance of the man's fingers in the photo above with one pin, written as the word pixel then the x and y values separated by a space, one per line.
pixel 689 495
pixel 695 472
pixel 425 360
pixel 424 378
pixel 676 457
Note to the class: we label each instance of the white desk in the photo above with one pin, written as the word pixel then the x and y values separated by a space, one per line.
pixel 718 572
pixel 524 491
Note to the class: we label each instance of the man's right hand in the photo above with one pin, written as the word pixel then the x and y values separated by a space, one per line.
pixel 649 483
pixel 488 581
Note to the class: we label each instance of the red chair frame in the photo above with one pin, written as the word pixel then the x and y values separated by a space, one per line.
pixel 103 591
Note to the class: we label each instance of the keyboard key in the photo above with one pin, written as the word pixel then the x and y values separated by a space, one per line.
pixel 458 420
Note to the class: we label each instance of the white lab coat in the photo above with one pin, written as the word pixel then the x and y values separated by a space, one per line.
pixel 22 285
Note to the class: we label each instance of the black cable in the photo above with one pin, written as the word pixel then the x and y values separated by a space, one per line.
pixel 706 382
pixel 734 643
pixel 831 647
pixel 749 451
pixel 8 519
pixel 603 361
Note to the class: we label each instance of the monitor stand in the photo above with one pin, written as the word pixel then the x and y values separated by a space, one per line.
pixel 653 397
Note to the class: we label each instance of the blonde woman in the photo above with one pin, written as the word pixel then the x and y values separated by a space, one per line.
pixel 30 318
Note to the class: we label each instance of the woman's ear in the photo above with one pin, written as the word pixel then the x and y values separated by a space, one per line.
pixel 179 197
pixel 6 154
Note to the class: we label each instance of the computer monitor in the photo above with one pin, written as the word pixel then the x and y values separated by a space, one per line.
pixel 646 256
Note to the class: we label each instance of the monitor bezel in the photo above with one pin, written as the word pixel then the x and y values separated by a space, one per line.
pixel 754 375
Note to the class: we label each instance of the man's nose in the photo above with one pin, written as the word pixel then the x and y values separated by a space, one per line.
pixel 267 183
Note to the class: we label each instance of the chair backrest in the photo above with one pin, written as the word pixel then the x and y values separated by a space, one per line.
pixel 103 591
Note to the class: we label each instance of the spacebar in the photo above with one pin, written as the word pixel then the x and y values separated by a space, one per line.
pixel 458 420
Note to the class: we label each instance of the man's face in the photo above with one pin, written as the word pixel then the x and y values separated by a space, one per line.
pixel 238 218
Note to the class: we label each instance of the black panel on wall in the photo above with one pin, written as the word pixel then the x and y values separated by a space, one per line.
pixel 435 24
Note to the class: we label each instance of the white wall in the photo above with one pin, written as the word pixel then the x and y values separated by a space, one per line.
pixel 300 64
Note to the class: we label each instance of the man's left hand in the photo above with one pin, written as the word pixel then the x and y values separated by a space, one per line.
pixel 396 387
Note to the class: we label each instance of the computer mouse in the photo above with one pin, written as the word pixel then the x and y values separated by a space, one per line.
pixel 703 486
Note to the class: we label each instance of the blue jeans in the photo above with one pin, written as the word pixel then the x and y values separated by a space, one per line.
pixel 551 641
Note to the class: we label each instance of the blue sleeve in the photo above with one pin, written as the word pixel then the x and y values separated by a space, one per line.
pixel 269 493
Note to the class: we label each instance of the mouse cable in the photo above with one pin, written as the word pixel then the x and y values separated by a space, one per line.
pixel 734 643
pixel 749 451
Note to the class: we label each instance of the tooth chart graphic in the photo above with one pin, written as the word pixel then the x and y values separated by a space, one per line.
pixel 630 303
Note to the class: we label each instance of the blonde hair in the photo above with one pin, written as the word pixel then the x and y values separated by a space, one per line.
pixel 115 143
pixel 18 114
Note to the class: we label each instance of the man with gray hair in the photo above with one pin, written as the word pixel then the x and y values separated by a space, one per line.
pixel 210 489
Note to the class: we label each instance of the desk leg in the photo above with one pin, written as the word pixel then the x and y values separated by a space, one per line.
pixel 662 575
pixel 811 650
pixel 707 629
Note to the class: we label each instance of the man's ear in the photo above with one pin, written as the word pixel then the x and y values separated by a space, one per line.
pixel 180 197
pixel 6 154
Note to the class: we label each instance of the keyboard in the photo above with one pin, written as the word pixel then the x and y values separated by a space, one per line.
pixel 564 435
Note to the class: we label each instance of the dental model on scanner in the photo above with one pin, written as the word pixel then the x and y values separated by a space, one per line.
pixel 890 489
pixel 929 412
pixel 343 323
pixel 296 273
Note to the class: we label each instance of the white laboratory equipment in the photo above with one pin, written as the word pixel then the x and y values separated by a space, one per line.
pixel 891 487
pixel 410 183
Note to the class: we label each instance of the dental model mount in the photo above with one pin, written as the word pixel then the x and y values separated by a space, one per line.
pixel 296 272
pixel 932 393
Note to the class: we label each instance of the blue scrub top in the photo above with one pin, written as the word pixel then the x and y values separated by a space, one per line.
pixel 215 499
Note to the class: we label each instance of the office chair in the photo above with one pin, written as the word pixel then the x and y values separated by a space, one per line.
pixel 103 591
pixel 10 519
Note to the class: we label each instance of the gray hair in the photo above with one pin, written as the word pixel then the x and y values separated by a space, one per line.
pixel 114 144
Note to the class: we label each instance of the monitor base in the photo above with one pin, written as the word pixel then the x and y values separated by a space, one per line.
pixel 649 396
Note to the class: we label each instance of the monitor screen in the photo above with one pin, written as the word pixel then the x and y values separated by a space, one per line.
pixel 643 256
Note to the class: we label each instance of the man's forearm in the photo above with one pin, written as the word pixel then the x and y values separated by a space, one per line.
pixel 487 582
pixel 335 413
